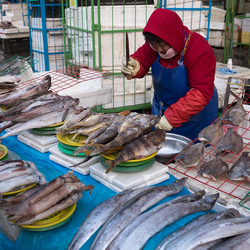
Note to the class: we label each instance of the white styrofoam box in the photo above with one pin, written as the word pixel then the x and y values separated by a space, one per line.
pixel 51 23
pixel 238 22
pixel 121 84
pixel 27 74
pixel 82 58
pixel 16 12
pixel 23 29
pixel 215 42
pixel 67 160
pixel 219 26
pixel 243 128
pixel 14 35
pixel 15 18
pixel 217 14
pixel 123 100
pixel 14 6
pixel 195 22
pixel 82 42
pixel 9 31
pixel 53 39
pixel 130 180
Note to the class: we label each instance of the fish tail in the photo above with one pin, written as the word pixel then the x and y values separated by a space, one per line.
pixel 111 166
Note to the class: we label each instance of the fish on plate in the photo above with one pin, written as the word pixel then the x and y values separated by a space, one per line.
pixel 235 114
pixel 212 134
pixel 240 170
pixel 191 155
pixel 140 148
pixel 231 141
pixel 214 169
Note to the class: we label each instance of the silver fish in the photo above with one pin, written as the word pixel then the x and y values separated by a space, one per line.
pixel 153 221
pixel 191 155
pixel 114 225
pixel 215 168
pixel 90 121
pixel 196 223
pixel 96 133
pixel 30 92
pixel 211 231
pixel 234 114
pixel 140 148
pixel 11 163
pixel 99 215
pixel 241 168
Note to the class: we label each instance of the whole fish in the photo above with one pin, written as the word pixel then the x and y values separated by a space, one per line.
pixel 212 134
pixel 100 214
pixel 211 231
pixel 68 201
pixel 129 130
pixel 90 121
pixel 191 155
pixel 39 122
pixel 214 168
pixel 95 133
pixel 28 93
pixel 11 163
pixel 10 184
pixel 140 147
pixel 231 141
pixel 128 213
pixel 240 170
pixel 234 114
pixel 146 226
pixel 196 223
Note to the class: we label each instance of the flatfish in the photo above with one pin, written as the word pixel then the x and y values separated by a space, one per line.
pixel 235 114
pixel 241 168
pixel 191 155
pixel 212 133
pixel 215 168
pixel 231 141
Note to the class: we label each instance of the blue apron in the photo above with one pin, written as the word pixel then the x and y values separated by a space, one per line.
pixel 172 84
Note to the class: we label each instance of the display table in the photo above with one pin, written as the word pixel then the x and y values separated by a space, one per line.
pixel 59 238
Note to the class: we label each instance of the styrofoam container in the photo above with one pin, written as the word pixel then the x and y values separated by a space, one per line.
pixel 217 14
pixel 14 6
pixel 51 23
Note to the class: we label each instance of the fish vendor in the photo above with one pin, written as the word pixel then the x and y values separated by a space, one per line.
pixel 183 68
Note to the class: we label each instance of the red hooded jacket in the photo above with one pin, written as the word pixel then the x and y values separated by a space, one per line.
pixel 199 60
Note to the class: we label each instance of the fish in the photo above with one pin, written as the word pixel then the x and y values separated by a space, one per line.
pixel 191 155
pixel 64 203
pixel 132 128
pixel 11 163
pixel 95 133
pixel 238 242
pixel 9 184
pixel 240 170
pixel 234 114
pixel 100 214
pixel 5 66
pixel 48 201
pixel 214 168
pixel 114 225
pixel 196 223
pixel 9 79
pixel 231 141
pixel 211 231
pixel 90 121
pixel 212 134
pixel 30 92
pixel 153 221
pixel 7 86
pixel 17 67
pixel 39 122
pixel 140 148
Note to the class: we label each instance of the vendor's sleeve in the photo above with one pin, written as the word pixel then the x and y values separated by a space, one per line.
pixel 181 111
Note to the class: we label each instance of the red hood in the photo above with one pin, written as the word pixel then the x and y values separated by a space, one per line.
pixel 168 26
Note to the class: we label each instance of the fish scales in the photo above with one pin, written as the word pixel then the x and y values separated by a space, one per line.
pixel 211 231
pixel 131 210
pixel 147 228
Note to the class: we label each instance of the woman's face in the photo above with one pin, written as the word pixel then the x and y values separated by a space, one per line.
pixel 161 47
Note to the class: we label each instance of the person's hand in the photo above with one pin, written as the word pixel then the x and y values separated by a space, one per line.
pixel 164 124
pixel 132 68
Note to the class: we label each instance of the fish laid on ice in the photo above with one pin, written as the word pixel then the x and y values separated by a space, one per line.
pixel 136 237
pixel 191 155
pixel 212 134
pixel 211 231
pixel 214 168
pixel 140 147
pixel 196 223
pixel 240 169
pixel 10 184
pixel 28 93
pixel 234 114
pixel 231 141
pixel 112 227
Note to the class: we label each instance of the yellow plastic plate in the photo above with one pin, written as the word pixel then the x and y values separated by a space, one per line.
pixel 67 139
pixel 112 156
pixel 20 191
pixel 55 220
pixel 3 151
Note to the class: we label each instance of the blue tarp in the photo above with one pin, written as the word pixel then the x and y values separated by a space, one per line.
pixel 59 238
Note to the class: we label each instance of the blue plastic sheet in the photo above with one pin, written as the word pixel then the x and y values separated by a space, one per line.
pixel 59 238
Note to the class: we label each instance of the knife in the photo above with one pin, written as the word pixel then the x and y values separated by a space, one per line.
pixel 129 77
